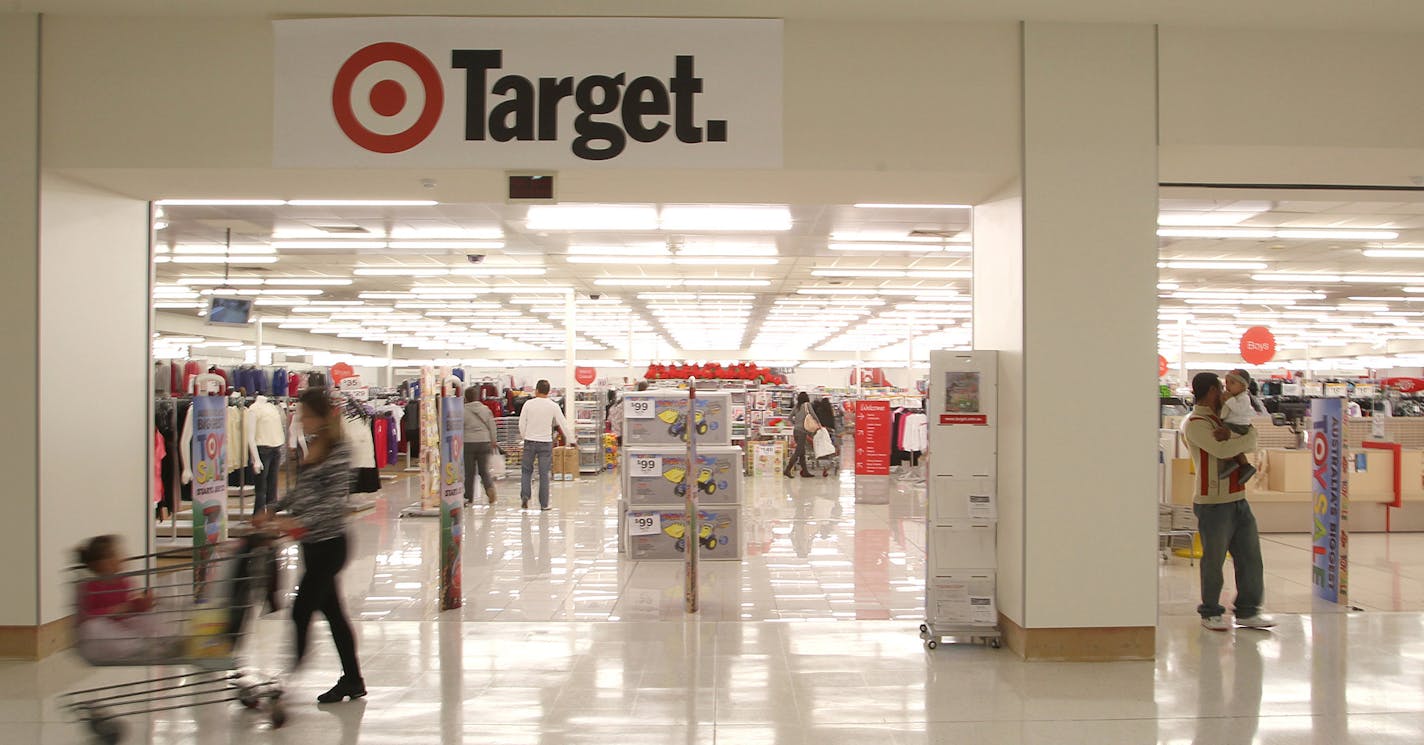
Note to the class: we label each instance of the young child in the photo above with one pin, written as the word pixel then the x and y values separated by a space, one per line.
pixel 1237 412
pixel 114 619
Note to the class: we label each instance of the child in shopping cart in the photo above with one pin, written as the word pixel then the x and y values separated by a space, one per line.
pixel 115 620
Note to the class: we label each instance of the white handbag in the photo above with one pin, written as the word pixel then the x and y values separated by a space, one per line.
pixel 822 445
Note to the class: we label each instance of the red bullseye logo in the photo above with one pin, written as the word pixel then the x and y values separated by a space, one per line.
pixel 387 99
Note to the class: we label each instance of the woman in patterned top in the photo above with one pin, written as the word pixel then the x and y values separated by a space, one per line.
pixel 318 509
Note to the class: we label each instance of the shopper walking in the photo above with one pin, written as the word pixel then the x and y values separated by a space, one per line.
pixel 800 433
pixel 537 421
pixel 480 438
pixel 318 510
pixel 1224 518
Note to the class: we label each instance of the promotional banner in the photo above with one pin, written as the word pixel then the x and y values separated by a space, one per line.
pixel 209 476
pixel 429 441
pixel 1331 497
pixel 872 438
pixel 452 498
pixel 528 93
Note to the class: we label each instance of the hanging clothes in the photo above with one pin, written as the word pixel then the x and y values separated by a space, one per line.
pixel 363 447
pixel 294 385
pixel 381 434
pixel 914 436
pixel 160 449
pixel 236 450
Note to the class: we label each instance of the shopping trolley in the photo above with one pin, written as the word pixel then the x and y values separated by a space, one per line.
pixel 201 603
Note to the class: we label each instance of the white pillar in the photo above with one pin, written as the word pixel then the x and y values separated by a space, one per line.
pixel 1077 542
pixel 570 354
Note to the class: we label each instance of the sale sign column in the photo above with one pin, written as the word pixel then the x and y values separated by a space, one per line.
pixel 1330 490
pixel 209 476
pixel 872 438
pixel 452 494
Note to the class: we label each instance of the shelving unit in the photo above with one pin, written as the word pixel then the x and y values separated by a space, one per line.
pixel 588 425
pixel 507 430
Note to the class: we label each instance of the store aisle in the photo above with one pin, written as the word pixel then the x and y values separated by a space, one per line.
pixel 1327 679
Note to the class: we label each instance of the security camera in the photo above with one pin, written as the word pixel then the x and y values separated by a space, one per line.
pixel 475 258
pixel 595 296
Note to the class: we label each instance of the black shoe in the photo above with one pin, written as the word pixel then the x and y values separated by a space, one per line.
pixel 524 505
pixel 352 688
pixel 1245 474
pixel 786 474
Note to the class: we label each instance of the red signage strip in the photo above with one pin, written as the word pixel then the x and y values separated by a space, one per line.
pixel 1398 451
pixel 978 420
pixel 872 438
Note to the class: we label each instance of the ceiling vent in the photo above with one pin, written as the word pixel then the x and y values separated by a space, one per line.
pixel 343 229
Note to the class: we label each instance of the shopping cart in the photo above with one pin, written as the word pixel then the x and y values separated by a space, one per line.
pixel 201 601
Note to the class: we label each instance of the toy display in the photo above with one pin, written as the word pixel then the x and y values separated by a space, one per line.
pixel 660 475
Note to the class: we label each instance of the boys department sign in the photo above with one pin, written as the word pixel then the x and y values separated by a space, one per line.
pixel 527 93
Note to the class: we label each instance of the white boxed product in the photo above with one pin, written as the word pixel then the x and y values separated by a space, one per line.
pixel 659 533
pixel 660 475
pixel 964 598
pixel 963 544
pixel 960 499
pixel 1164 517
pixel 660 418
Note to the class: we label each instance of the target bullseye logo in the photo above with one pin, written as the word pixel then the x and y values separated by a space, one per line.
pixel 379 80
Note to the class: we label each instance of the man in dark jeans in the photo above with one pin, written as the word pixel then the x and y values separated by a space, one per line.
pixel 1224 517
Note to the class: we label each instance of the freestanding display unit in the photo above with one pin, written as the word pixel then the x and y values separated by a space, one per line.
pixel 961 542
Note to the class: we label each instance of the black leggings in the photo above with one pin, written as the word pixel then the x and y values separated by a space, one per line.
pixel 322 561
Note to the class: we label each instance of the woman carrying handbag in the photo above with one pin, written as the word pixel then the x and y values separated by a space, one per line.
pixel 804 425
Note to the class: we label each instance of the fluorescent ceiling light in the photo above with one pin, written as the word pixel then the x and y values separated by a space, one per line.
pixel 220 202
pixel 857 273
pixel 591 217
pixel 720 218
pixel 833 291
pixel 245 249
pixel 638 282
pixel 446 245
pixel 727 249
pixel 440 234
pixel 334 244
pixel 362 202
pixel 1243 265
pixel 940 273
pixel 499 271
pixel 400 272
pixel 892 206
pixel 311 281
pixel 219 282
pixel 1344 235
pixel 533 289
pixel 1167 285
pixel 1216 233
pixel 907 247
pixel 718 282
pixel 1203 219
pixel 725 260
pixel 1384 279
pixel 224 259
pixel 612 259
pixel 288 234
pixel 642 249
pixel 1394 253
pixel 882 236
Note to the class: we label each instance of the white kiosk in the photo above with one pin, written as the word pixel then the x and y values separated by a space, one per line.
pixel 961 541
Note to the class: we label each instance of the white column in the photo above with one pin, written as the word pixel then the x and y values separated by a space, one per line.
pixel 570 353
pixel 1077 538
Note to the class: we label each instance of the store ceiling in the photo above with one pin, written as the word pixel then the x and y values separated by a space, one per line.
pixel 770 279
pixel 1384 15
pixel 1327 271
pixel 1323 274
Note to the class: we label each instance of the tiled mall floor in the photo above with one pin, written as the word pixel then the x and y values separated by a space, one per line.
pixel 811 639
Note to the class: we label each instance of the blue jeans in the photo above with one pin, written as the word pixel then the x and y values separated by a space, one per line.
pixel 1230 527
pixel 543 452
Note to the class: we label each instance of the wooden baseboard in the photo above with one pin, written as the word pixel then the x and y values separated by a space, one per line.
pixel 35 642
pixel 1112 644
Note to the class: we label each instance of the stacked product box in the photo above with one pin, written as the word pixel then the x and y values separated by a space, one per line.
pixel 657 476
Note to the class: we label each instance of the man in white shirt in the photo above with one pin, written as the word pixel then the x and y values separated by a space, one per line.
pixel 536 427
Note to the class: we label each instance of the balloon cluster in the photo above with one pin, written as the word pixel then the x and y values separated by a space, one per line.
pixel 715 371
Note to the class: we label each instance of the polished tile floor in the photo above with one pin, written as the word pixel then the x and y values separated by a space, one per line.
pixel 810 639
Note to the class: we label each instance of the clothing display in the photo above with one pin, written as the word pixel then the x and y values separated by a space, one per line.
pixel 264 424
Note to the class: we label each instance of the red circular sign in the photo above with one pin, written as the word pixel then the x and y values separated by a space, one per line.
pixel 1161 366
pixel 387 97
pixel 585 375
pixel 1258 345
pixel 341 371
